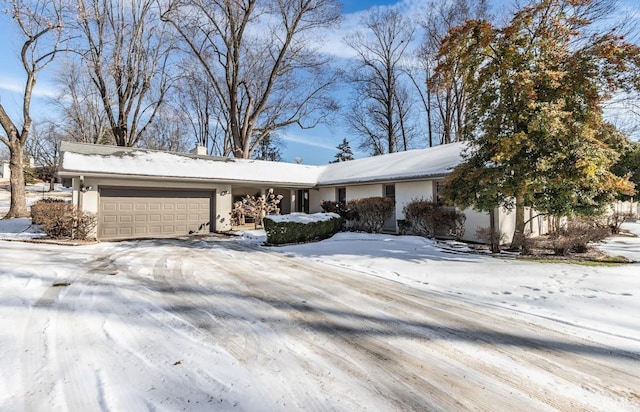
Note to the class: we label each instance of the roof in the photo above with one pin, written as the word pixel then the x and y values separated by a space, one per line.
pixel 412 164
pixel 88 159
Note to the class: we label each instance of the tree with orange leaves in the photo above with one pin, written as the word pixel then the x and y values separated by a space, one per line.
pixel 535 125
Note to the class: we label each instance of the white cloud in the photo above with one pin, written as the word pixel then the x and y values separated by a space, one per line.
pixel 16 85
pixel 308 141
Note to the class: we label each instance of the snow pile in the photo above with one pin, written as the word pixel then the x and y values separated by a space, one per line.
pixel 303 218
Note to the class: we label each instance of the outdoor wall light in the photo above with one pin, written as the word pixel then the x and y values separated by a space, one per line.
pixel 224 193
pixel 84 188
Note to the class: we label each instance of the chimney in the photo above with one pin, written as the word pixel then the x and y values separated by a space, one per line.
pixel 199 150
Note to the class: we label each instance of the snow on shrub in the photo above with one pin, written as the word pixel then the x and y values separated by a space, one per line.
pixel 300 227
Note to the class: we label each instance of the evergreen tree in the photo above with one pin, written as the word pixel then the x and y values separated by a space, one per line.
pixel 535 121
pixel 344 152
pixel 268 149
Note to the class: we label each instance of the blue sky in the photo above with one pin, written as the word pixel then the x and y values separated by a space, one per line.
pixel 315 146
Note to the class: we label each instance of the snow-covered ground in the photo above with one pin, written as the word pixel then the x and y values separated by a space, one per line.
pixel 33 193
pixel 355 322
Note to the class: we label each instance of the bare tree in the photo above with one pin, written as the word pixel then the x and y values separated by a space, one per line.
pixel 126 50
pixel 260 61
pixel 80 105
pixel 445 99
pixel 381 109
pixel 201 108
pixel 44 148
pixel 168 132
pixel 40 24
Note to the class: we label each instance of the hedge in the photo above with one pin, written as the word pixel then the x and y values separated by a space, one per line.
pixel 300 228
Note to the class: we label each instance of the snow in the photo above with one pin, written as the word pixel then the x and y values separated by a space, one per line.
pixel 164 164
pixel 19 229
pixel 603 302
pixel 421 163
pixel 434 161
pixel 217 323
pixel 303 218
pixel 34 192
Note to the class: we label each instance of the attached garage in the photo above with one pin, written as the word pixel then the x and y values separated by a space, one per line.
pixel 126 213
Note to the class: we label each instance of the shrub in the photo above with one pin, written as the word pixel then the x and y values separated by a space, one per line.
pixel 576 236
pixel 370 213
pixel 61 220
pixel 432 219
pixel 39 208
pixel 30 176
pixel 494 238
pixel 297 228
pixel 614 220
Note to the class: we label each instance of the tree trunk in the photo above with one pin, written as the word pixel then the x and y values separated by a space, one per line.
pixel 494 236
pixel 18 205
pixel 518 235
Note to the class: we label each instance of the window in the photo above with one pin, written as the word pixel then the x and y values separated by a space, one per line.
pixel 390 191
pixel 341 195
pixel 437 191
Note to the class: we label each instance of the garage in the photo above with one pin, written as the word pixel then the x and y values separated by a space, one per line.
pixel 126 213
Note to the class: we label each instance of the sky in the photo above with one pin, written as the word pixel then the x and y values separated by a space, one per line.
pixel 313 146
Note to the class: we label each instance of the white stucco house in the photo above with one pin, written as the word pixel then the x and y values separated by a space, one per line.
pixel 138 193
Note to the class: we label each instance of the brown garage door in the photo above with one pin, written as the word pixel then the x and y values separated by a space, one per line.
pixel 127 213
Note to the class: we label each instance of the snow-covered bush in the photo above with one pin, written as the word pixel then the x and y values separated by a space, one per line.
pixel 433 219
pixel 300 227
pixel 61 220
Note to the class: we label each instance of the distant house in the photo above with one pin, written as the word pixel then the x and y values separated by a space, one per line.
pixel 5 171
pixel 144 193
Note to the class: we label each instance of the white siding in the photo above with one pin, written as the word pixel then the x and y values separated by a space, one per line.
pixel 314 201
pixel 474 220
pixel 408 191
pixel 362 191
pixel 325 193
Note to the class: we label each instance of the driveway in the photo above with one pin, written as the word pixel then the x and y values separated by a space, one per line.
pixel 202 324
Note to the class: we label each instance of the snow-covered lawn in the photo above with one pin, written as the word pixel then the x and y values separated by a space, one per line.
pixel 33 193
pixel 355 322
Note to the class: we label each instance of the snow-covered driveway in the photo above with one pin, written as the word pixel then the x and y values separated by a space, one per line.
pixel 216 324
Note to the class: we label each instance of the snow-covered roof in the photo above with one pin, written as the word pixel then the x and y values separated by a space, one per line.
pixel 412 164
pixel 78 158
pixel 93 159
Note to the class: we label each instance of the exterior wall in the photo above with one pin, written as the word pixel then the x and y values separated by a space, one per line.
pixel 408 191
pixel 625 207
pixel 474 221
pixel 89 201
pixel 506 222
pixel 327 193
pixel 315 198
pixel 362 191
